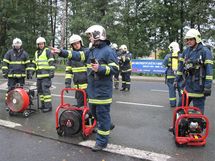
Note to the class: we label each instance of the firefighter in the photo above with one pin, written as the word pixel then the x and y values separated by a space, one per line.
pixel 77 70
pixel 16 64
pixel 171 62
pixel 196 65
pixel 102 65
pixel 125 67
pixel 114 46
pixel 44 66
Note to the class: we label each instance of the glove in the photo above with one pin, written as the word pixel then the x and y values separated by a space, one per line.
pixel 207 92
pixel 67 86
pixel 51 74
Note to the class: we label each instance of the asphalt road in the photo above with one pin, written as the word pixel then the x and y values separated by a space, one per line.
pixel 142 118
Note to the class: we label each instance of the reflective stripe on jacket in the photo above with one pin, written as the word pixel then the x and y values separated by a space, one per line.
pixel 15 63
pixel 44 63
pixel 200 76
pixel 100 86
pixel 77 71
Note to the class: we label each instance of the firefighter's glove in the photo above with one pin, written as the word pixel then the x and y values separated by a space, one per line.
pixel 51 74
pixel 67 86
pixel 123 58
pixel 207 91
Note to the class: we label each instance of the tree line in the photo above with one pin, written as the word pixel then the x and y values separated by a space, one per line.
pixel 143 26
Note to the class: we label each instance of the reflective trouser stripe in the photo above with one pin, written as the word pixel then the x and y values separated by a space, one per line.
pixel 172 99
pixel 41 97
pixel 170 76
pixel 101 102
pixel 47 98
pixel 104 133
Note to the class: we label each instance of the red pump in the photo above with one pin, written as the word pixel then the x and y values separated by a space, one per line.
pixel 74 119
pixel 190 126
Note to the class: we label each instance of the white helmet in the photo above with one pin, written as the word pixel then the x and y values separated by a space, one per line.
pixel 123 47
pixel 114 46
pixel 17 42
pixel 75 38
pixel 40 40
pixel 174 47
pixel 193 33
pixel 97 32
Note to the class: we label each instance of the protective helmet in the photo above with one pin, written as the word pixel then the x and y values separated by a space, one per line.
pixel 114 46
pixel 123 47
pixel 17 42
pixel 193 33
pixel 40 40
pixel 97 32
pixel 174 47
pixel 75 38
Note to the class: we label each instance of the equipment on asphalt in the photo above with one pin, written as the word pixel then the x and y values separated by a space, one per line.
pixel 74 119
pixel 190 126
pixel 20 101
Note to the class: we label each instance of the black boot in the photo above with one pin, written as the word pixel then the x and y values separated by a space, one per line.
pixel 97 148
pixel 44 110
pixel 112 126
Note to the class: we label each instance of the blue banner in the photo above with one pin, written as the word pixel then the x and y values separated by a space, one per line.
pixel 148 66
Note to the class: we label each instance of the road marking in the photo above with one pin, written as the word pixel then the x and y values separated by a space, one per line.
pixel 131 152
pixel 57 95
pixel 9 124
pixel 138 104
pixel 57 83
pixel 157 90
pixel 28 85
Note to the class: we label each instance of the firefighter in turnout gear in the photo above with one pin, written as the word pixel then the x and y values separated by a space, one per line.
pixel 171 63
pixel 125 67
pixel 44 66
pixel 196 65
pixel 16 65
pixel 76 70
pixel 114 46
pixel 102 64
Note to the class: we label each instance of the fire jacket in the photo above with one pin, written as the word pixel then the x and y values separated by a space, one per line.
pixel 15 64
pixel 125 62
pixel 99 87
pixel 44 63
pixel 196 65
pixel 77 71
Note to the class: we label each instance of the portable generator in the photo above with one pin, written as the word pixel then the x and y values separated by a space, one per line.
pixel 190 126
